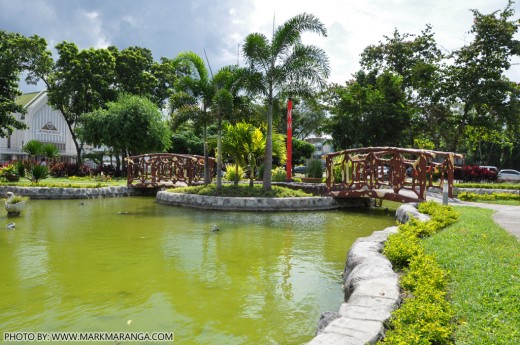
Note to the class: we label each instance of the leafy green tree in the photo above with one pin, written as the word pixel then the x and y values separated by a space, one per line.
pixel 18 54
pixel 476 77
pixel 308 117
pixel 285 64
pixel 131 125
pixel 80 82
pixel 418 61
pixel 369 111
pixel 133 70
pixel 301 151
pixel 187 142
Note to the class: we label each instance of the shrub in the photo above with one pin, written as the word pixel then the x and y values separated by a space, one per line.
pixel 20 168
pixel 315 168
pixel 279 174
pixel 230 172
pixel 426 317
pixel 37 173
pixel 401 247
pixel 474 173
pixel 61 169
pixel 466 196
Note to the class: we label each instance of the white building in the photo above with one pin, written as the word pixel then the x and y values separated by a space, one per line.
pixel 321 144
pixel 44 124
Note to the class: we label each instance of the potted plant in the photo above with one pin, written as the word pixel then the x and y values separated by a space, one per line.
pixel 10 173
pixel 15 204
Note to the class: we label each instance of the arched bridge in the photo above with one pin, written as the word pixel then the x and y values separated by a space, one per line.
pixel 165 169
pixel 390 173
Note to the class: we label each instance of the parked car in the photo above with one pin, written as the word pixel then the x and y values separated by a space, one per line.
pixel 508 175
pixel 301 169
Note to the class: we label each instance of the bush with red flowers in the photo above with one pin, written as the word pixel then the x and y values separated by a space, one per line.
pixel 474 173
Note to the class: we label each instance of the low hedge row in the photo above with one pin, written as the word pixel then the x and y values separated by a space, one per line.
pixel 466 196
pixel 425 316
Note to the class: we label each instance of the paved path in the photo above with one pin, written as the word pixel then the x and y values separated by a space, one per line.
pixel 506 216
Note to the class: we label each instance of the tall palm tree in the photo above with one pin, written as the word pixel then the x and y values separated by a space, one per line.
pixel 227 101
pixel 192 98
pixel 286 65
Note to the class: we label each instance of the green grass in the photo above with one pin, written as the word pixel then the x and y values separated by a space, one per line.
pixel 484 264
pixel 242 191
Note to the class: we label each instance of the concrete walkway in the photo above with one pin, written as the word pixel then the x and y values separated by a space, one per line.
pixel 506 216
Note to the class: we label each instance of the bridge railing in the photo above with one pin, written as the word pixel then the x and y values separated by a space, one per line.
pixel 389 173
pixel 164 169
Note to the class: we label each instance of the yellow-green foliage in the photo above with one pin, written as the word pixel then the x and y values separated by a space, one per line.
pixel 488 197
pixel 401 247
pixel 231 171
pixel 279 174
pixel 426 317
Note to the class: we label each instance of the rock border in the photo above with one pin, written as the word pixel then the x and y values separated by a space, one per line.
pixel 68 193
pixel 257 204
pixel 371 289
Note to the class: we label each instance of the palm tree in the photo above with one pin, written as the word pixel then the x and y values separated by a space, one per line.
pixel 246 143
pixel 286 65
pixel 227 101
pixel 192 98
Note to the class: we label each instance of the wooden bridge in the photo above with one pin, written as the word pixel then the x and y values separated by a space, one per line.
pixel 390 173
pixel 158 170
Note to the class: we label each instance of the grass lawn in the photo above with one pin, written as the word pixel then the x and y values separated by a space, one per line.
pixel 484 264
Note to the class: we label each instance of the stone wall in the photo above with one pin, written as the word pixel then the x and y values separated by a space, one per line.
pixel 258 204
pixel 371 291
pixel 68 193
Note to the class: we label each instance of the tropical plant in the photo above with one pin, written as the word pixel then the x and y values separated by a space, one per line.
pixel 279 174
pixel 33 148
pixel 192 97
pixel 315 168
pixel 9 172
pixel 50 150
pixel 37 173
pixel 285 65
pixel 234 173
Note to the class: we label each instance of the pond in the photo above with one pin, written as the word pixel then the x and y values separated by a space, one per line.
pixel 132 265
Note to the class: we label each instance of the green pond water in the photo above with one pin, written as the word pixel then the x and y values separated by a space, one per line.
pixel 132 265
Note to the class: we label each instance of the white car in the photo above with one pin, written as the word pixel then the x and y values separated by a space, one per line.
pixel 508 175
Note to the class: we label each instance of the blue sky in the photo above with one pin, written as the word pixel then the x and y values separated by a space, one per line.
pixel 167 27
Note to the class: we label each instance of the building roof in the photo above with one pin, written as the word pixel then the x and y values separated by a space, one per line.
pixel 25 99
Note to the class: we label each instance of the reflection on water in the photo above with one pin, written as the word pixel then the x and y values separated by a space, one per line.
pixel 93 265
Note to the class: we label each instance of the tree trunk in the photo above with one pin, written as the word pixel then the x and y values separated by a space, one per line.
pixel 219 158
pixel 268 158
pixel 236 175
pixel 207 179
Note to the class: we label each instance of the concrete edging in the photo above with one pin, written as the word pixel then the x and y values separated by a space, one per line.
pixel 68 193
pixel 371 289
pixel 257 204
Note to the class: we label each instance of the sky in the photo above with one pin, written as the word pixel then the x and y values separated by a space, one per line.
pixel 218 27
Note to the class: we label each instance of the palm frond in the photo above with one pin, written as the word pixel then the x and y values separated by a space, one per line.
pixel 289 33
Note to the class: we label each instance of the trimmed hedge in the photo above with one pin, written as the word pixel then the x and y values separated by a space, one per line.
pixel 425 317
